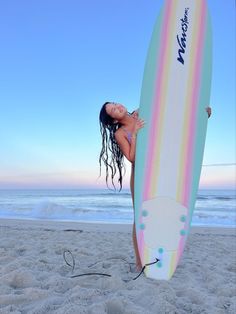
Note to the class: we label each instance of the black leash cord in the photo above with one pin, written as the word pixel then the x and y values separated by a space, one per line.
pixel 64 256
pixel 146 265
pixel 101 274
pixel 73 266
pixel 90 274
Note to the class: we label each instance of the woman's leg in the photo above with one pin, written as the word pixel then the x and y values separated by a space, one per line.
pixel 138 260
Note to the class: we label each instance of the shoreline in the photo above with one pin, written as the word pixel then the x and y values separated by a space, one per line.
pixel 101 226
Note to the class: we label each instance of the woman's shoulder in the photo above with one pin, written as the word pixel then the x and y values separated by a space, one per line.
pixel 119 133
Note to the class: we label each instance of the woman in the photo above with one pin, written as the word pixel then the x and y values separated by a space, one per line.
pixel 119 130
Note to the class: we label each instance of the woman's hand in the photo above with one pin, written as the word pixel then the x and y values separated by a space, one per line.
pixel 138 125
pixel 135 114
pixel 208 110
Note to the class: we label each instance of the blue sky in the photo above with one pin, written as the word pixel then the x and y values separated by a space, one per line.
pixel 61 60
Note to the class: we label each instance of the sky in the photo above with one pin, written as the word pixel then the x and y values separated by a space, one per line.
pixel 60 60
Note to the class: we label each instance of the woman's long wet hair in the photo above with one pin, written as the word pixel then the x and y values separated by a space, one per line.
pixel 110 154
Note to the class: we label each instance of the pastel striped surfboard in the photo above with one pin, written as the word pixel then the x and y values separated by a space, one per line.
pixel 169 151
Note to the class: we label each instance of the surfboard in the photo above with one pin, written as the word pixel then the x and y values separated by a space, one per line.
pixel 169 150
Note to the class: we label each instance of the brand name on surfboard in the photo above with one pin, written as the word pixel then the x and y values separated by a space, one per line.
pixel 183 38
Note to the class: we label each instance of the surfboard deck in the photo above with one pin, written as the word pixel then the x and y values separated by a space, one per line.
pixel 169 150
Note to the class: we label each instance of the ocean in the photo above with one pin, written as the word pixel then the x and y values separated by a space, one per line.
pixel 216 208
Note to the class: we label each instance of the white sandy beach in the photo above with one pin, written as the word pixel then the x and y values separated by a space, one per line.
pixel 34 278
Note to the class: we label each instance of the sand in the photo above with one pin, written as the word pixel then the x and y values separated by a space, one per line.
pixel 34 277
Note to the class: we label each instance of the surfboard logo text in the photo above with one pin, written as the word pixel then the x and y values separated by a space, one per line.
pixel 182 40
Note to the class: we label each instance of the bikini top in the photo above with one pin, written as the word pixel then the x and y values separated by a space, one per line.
pixel 128 133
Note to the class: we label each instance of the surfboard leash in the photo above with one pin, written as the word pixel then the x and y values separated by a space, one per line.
pixel 146 265
pixel 102 274
pixel 73 266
